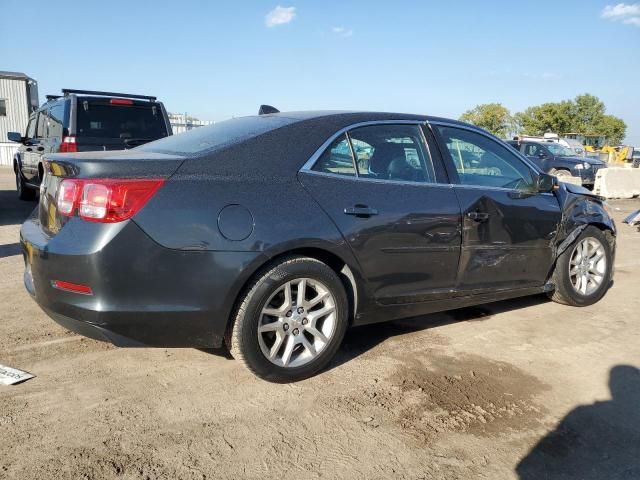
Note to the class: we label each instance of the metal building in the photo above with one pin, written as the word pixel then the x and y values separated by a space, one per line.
pixel 181 122
pixel 18 99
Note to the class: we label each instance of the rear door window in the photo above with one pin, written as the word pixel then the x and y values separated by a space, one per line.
pixel 41 131
pixel 392 152
pixel 56 119
pixel 337 159
pixel 104 120
pixel 532 150
pixel 31 128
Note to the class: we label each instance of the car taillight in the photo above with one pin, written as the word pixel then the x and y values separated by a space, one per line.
pixel 68 196
pixel 105 200
pixel 68 145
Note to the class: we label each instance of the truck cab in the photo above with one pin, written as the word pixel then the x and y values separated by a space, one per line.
pixel 558 160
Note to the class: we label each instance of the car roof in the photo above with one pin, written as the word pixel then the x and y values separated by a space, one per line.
pixel 365 116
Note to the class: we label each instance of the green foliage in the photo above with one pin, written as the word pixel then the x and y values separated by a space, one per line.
pixel 585 114
pixel 548 117
pixel 613 128
pixel 493 117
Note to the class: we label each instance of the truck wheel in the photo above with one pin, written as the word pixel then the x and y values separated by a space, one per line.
pixel 24 192
pixel 291 321
pixel 583 271
pixel 562 175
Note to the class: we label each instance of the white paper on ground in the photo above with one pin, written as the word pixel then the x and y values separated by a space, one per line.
pixel 11 376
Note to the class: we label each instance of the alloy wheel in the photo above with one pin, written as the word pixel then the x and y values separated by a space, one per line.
pixel 297 322
pixel 588 266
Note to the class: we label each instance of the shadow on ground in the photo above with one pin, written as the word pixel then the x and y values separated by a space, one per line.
pixel 593 442
pixel 10 250
pixel 14 211
pixel 362 339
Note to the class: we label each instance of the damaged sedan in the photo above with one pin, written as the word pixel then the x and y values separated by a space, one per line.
pixel 272 234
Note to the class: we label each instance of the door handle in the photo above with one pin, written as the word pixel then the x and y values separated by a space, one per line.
pixel 360 211
pixel 478 216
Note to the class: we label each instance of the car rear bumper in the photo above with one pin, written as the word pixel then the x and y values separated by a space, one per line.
pixel 143 294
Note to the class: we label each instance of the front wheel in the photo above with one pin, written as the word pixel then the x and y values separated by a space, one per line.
pixel 24 192
pixel 562 175
pixel 291 322
pixel 583 271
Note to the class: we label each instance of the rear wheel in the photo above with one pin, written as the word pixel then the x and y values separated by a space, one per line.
pixel 583 271
pixel 24 192
pixel 291 322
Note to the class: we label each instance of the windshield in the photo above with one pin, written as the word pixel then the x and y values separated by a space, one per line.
pixel 217 135
pixel 560 150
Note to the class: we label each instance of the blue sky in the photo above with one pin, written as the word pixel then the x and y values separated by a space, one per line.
pixel 217 59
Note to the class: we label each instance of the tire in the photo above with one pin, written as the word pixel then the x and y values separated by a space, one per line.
pixel 560 174
pixel 299 346
pixel 24 192
pixel 566 290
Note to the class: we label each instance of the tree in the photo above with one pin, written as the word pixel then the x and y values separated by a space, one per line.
pixel 548 117
pixel 613 128
pixel 585 114
pixel 492 117
pixel 588 111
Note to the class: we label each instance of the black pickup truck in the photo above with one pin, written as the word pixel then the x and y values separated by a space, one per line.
pixel 81 121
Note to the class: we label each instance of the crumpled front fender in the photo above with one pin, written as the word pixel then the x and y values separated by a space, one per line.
pixel 580 208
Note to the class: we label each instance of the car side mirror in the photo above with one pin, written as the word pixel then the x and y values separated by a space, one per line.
pixel 542 155
pixel 15 137
pixel 547 183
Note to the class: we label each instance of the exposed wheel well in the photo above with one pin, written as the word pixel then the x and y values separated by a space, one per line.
pixel 608 233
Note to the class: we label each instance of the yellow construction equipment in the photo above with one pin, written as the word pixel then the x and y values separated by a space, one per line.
pixel 615 155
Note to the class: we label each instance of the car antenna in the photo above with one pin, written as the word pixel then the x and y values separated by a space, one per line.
pixel 267 109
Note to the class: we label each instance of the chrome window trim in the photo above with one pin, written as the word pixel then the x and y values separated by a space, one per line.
pixel 354 159
pixel 308 166
pixel 377 180
pixel 499 189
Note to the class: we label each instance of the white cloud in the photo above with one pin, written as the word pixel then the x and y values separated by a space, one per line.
pixel 343 32
pixel 280 16
pixel 627 14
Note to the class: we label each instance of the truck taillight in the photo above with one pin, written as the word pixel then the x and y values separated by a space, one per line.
pixel 105 200
pixel 68 145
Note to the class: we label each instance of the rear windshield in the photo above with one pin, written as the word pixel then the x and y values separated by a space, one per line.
pixel 217 136
pixel 120 121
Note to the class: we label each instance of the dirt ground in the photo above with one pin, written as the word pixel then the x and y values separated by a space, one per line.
pixel 518 389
